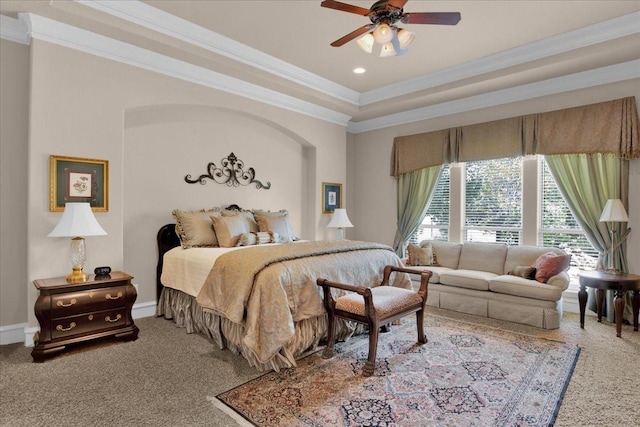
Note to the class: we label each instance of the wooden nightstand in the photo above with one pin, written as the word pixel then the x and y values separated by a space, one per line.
pixel 70 313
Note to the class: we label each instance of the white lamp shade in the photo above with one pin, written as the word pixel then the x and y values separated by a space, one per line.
pixel 387 50
pixel 405 38
pixel 77 221
pixel 614 212
pixel 366 42
pixel 383 33
pixel 339 219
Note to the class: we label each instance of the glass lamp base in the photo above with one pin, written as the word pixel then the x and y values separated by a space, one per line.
pixel 77 276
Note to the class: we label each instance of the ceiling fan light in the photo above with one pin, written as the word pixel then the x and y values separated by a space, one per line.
pixel 405 38
pixel 366 42
pixel 383 33
pixel 387 50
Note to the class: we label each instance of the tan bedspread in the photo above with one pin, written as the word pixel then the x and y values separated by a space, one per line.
pixel 267 289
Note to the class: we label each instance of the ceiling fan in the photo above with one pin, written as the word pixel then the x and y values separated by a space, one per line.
pixel 384 14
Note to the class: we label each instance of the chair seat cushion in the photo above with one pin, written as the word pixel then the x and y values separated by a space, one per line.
pixel 387 300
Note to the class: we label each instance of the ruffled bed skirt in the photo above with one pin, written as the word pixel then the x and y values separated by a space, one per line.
pixel 187 313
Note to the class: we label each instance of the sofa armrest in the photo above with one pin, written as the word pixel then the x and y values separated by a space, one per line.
pixel 560 281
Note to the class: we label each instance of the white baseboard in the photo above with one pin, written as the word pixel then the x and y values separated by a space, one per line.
pixel 12 333
pixel 144 309
pixel 21 332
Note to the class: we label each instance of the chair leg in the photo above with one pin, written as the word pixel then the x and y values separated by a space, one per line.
pixel 331 337
pixel 422 338
pixel 370 365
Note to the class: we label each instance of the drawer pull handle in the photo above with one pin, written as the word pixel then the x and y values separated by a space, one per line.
pixel 62 304
pixel 119 295
pixel 71 326
pixel 108 318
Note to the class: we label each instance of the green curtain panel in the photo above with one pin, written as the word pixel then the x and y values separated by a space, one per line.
pixel 415 190
pixel 586 182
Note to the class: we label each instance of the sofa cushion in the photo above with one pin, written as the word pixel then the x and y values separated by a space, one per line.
pixel 517 286
pixel 447 254
pixel 435 272
pixel 470 279
pixel 483 257
pixel 549 264
pixel 524 255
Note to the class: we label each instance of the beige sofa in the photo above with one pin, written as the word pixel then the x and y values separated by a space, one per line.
pixel 478 278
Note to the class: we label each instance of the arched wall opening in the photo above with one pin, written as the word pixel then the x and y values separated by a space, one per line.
pixel 164 143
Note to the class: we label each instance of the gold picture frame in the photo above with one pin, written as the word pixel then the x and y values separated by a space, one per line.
pixel 76 179
pixel 331 197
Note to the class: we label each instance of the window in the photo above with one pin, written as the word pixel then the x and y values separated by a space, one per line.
pixel 493 201
pixel 435 225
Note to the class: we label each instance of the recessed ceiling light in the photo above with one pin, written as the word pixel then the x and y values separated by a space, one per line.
pixel 359 70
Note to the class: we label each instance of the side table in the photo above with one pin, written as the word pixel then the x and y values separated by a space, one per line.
pixel 601 282
pixel 70 313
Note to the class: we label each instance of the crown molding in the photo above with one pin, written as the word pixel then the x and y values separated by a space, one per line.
pixel 155 19
pixel 30 25
pixel 95 44
pixel 13 30
pixel 596 77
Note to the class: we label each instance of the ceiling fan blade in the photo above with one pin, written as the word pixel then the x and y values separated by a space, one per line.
pixel 398 4
pixel 352 35
pixel 345 7
pixel 438 18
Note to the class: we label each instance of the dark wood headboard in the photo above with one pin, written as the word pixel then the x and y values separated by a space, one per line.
pixel 167 239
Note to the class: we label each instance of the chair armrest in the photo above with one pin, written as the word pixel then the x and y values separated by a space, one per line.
pixel 345 287
pixel 425 275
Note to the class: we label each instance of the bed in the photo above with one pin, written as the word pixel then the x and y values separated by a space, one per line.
pixel 261 301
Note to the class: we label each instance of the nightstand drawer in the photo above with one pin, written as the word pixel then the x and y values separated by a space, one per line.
pixel 68 304
pixel 75 325
pixel 71 313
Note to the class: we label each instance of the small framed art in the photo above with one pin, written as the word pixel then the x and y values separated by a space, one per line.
pixel 331 197
pixel 75 179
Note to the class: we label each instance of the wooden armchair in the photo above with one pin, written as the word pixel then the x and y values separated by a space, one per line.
pixel 376 307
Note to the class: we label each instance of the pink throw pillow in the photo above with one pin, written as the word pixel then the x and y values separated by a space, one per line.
pixel 549 264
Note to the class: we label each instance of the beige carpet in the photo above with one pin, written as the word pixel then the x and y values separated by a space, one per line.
pixel 164 378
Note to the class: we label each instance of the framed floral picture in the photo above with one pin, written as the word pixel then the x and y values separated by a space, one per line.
pixel 331 197
pixel 75 179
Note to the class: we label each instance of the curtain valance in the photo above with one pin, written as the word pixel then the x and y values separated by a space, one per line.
pixel 605 127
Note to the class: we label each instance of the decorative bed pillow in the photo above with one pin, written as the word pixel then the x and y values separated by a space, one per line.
pixel 247 215
pixel 549 264
pixel 524 271
pixel 259 238
pixel 229 229
pixel 194 228
pixel 277 222
pixel 420 255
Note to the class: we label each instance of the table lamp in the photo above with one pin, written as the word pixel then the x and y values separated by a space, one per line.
pixel 613 212
pixel 340 220
pixel 77 222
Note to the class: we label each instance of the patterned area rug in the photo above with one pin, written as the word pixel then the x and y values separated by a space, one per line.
pixel 466 375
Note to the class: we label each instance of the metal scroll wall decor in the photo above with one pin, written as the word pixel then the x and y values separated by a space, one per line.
pixel 230 172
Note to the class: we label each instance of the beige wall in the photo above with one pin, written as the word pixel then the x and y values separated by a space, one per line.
pixel 14 177
pixel 86 106
pixel 373 191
